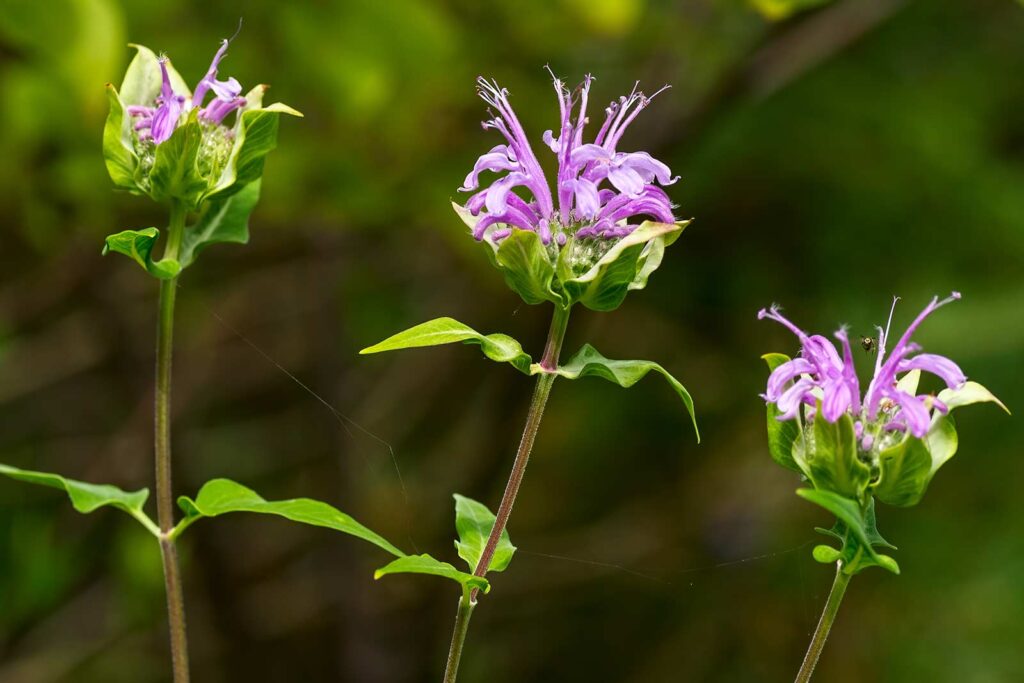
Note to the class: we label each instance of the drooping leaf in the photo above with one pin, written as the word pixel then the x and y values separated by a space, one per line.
pixel 625 373
pixel 857 531
pixel 832 459
pixel 968 394
pixel 497 347
pixel 474 522
pixel 223 220
pixel 905 470
pixel 626 266
pixel 221 496
pixel 782 435
pixel 425 564
pixel 138 245
pixel 89 497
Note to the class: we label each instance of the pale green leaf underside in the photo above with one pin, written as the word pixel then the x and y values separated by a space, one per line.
pixel 625 373
pixel 497 347
pixel 138 245
pixel 89 497
pixel 474 522
pixel 425 564
pixel 221 496
pixel 223 220
pixel 968 394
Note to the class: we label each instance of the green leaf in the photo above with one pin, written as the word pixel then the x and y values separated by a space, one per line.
pixel 143 79
pixel 626 266
pixel 782 435
pixel 942 441
pixel 859 537
pixel 425 564
pixel 625 373
pixel 221 496
pixel 908 383
pixel 497 347
pixel 969 393
pixel 223 220
pixel 832 459
pixel 255 137
pixel 524 262
pixel 474 522
pixel 138 245
pixel 905 470
pixel 175 174
pixel 89 497
pixel 118 151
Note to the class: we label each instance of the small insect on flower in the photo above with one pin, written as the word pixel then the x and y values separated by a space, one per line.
pixel 869 344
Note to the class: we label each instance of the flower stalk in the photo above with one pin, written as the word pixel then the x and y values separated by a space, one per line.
pixel 828 616
pixel 545 380
pixel 162 449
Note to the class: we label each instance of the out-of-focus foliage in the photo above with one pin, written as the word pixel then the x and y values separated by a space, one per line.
pixel 831 160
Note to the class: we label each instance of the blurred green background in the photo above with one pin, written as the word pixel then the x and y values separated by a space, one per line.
pixel 832 159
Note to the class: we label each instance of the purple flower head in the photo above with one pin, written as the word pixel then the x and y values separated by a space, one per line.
pixel 158 122
pixel 820 374
pixel 597 190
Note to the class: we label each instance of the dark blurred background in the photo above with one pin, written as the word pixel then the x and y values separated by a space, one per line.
pixel 832 159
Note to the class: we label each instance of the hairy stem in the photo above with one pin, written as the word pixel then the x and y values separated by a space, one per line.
pixel 162 447
pixel 549 361
pixel 466 605
pixel 835 597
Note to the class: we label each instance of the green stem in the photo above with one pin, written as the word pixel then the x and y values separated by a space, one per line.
pixel 549 362
pixel 466 605
pixel 835 597
pixel 162 447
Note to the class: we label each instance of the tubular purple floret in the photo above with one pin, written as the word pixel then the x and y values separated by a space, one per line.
pixel 584 208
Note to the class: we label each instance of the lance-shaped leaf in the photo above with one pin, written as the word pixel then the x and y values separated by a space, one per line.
pixel 138 245
pixel 474 522
pixel 425 564
pixel 626 266
pixel 221 496
pixel 782 435
pixel 856 530
pixel 255 136
pixel 625 373
pixel 833 464
pixel 223 220
pixel 497 347
pixel 89 497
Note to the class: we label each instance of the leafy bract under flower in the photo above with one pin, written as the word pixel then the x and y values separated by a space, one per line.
pixel 599 197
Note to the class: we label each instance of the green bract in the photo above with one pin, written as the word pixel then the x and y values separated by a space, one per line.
pixel 847 480
pixel 595 272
